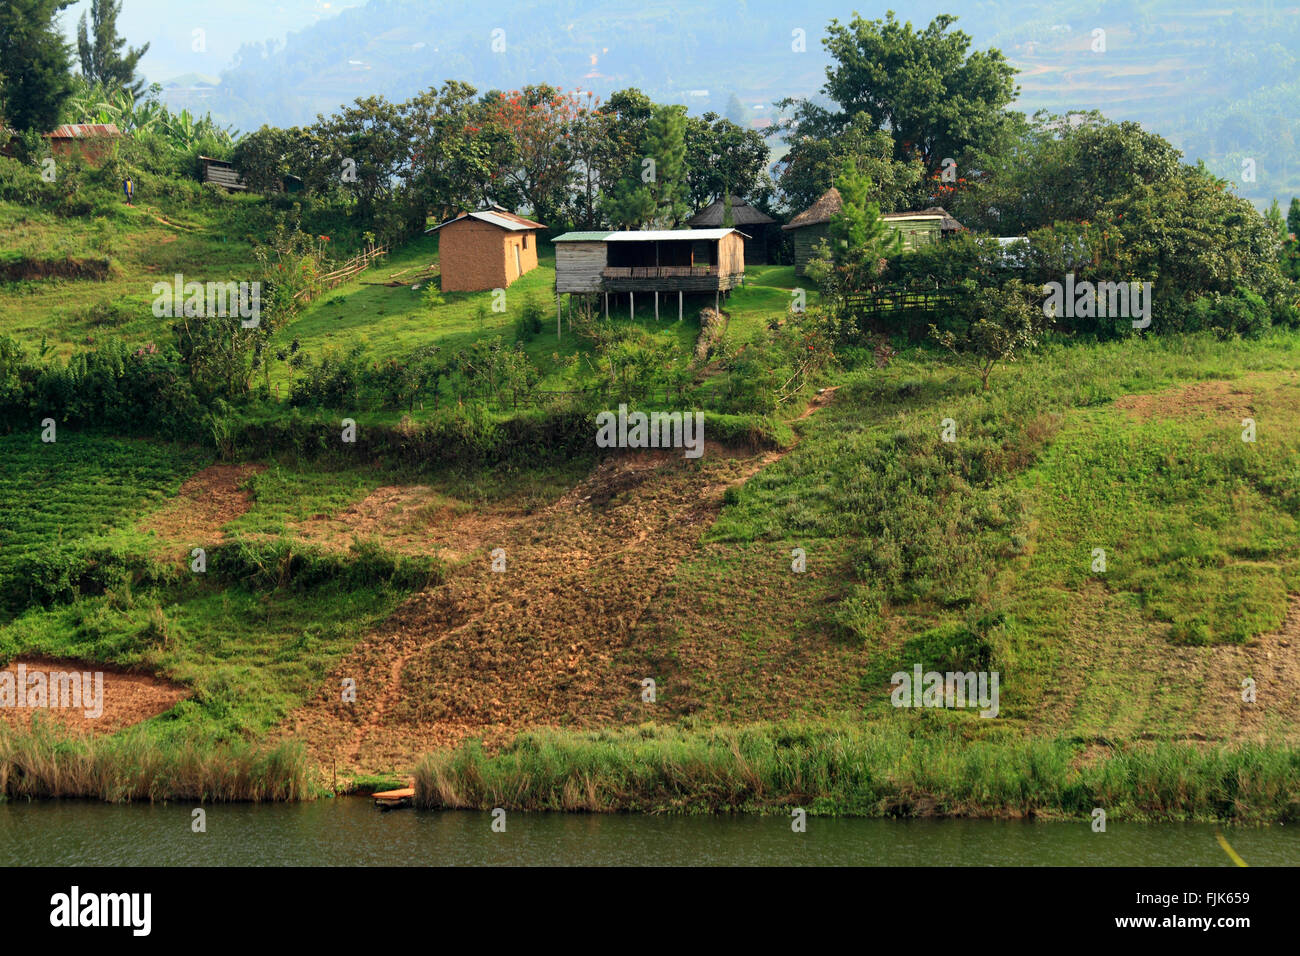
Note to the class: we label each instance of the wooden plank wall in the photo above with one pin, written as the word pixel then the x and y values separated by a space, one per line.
pixel 578 266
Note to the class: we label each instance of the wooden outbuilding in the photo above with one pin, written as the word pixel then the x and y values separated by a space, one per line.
pixel 487 249
pixel 92 142
pixel 650 260
pixel 219 172
pixel 812 225
pixel 757 226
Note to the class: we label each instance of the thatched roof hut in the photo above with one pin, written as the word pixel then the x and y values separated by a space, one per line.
pixel 950 225
pixel 819 212
pixel 753 224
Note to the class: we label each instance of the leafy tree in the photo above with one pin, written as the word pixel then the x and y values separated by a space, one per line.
pixel 1062 168
pixel 1004 323
pixel 1192 236
pixel 653 191
pixel 456 149
pixel 589 137
pixel 937 98
pixel 627 113
pixel 1293 217
pixel 364 148
pixel 539 170
pixel 101 49
pixel 736 111
pixel 260 158
pixel 819 147
pixel 721 155
pixel 35 61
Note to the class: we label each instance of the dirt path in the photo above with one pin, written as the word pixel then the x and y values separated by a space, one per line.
pixel 546 643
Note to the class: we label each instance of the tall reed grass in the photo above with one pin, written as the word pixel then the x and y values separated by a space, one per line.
pixel 41 762
pixel 861 770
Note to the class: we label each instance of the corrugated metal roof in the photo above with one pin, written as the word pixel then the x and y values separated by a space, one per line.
pixel 666 235
pixel 911 215
pixel 646 235
pixel 582 237
pixel 496 217
pixel 84 131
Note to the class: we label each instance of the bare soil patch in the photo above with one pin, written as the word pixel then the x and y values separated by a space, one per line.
pixel 1112 683
pixel 128 698
pixel 1213 398
pixel 414 519
pixel 205 504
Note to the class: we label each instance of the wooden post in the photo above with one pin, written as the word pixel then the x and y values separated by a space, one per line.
pixel 631 305
pixel 716 306
pixel 606 306
pixel 656 305
pixel 557 316
pixel 679 305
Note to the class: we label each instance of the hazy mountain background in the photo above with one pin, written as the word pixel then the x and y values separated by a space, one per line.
pixel 1221 82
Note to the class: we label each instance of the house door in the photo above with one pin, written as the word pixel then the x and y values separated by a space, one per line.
pixel 519 266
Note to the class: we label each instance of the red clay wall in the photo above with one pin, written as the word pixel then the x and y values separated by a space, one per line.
pixel 475 256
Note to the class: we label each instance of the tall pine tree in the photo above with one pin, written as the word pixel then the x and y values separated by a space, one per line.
pixel 859 243
pixel 35 61
pixel 654 193
pixel 100 49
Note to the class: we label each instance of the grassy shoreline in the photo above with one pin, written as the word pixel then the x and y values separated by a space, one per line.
pixel 868 769
pixel 871 770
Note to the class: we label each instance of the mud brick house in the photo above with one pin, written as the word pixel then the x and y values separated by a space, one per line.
pixel 757 226
pixel 92 142
pixel 649 261
pixel 811 226
pixel 487 249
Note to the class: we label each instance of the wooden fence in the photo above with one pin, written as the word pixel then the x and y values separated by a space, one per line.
pixel 349 270
pixel 657 272
pixel 900 310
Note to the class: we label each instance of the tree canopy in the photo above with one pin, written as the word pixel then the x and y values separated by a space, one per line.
pixel 105 57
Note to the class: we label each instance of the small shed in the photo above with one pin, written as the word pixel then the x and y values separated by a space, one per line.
pixel 92 142
pixel 755 224
pixel 220 173
pixel 486 249
pixel 650 260
pixel 812 225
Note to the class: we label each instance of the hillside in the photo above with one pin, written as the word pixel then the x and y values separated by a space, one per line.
pixel 375 567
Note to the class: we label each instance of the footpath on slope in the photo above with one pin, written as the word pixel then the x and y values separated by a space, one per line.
pixel 544 643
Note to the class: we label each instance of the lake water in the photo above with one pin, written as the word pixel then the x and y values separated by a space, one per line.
pixel 352 832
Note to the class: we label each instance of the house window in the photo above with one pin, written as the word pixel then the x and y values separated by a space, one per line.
pixel 525 240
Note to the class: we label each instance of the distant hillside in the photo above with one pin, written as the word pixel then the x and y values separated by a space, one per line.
pixel 1220 84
